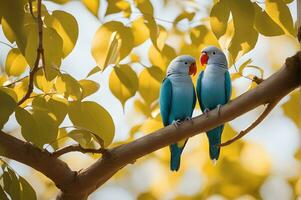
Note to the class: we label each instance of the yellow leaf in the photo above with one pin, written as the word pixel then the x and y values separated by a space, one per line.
pixel 21 88
pixel 197 35
pixel 41 82
pixel 92 6
pixel 7 107
pixel 112 42
pixel 68 86
pixel 39 127
pixel 281 14
pixel 53 49
pixel 149 86
pixel 123 83
pixel 116 6
pixel 8 32
pixel 140 31
pixel 88 87
pixel 264 24
pixel 219 16
pixel 245 36
pixel 292 108
pixel 161 59
pixel 151 125
pixel 66 26
pixel 184 15
pixel 93 117
pixel 15 63
pixel 142 107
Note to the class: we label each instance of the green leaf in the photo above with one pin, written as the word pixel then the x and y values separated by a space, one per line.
pixel 7 107
pixel 123 83
pixel 149 85
pixel 13 13
pixel 219 16
pixel 92 6
pixel 27 190
pixel 116 6
pixel 66 26
pixel 245 36
pixel 264 24
pixel 15 64
pixel 3 196
pixel 11 184
pixel 68 86
pixel 88 87
pixel 61 139
pixel 54 106
pixel 39 127
pixel 83 137
pixel 93 117
pixel 280 13
pixel 53 49
pixel 7 30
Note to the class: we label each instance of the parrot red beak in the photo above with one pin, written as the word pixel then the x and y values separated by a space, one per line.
pixel 192 69
pixel 204 58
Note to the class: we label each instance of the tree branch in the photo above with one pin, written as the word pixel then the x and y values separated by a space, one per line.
pixel 79 148
pixel 40 53
pixel 269 90
pixel 263 115
pixel 26 153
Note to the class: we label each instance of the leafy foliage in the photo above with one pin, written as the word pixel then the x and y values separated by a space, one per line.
pixel 59 98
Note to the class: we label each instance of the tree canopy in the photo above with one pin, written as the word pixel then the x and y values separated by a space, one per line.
pixel 133 48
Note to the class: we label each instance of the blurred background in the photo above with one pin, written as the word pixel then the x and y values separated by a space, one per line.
pixel 265 164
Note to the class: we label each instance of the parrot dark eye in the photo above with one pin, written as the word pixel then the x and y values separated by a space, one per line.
pixel 185 63
pixel 213 52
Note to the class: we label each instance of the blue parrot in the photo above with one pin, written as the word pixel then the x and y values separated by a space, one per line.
pixel 213 90
pixel 177 100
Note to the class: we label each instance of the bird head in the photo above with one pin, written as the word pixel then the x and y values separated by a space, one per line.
pixel 213 55
pixel 184 64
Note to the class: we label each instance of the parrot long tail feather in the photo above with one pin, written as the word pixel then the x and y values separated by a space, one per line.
pixel 175 157
pixel 214 137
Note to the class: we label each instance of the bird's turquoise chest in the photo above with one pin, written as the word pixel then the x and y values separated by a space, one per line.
pixel 213 88
pixel 182 97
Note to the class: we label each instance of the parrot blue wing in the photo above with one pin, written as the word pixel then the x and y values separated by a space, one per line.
pixel 165 100
pixel 193 102
pixel 198 90
pixel 228 86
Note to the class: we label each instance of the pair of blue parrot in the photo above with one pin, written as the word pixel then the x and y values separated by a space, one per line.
pixel 178 98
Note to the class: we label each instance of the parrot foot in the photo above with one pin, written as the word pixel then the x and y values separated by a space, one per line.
pixel 219 109
pixel 206 112
pixel 188 119
pixel 176 123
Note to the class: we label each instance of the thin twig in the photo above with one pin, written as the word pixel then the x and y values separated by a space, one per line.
pixel 13 83
pixel 268 109
pixel 77 147
pixel 40 52
pixel 7 44
pixel 31 9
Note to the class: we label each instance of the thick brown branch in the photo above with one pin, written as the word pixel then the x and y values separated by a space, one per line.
pixel 26 153
pixel 77 147
pixel 265 113
pixel 275 87
pixel 40 52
